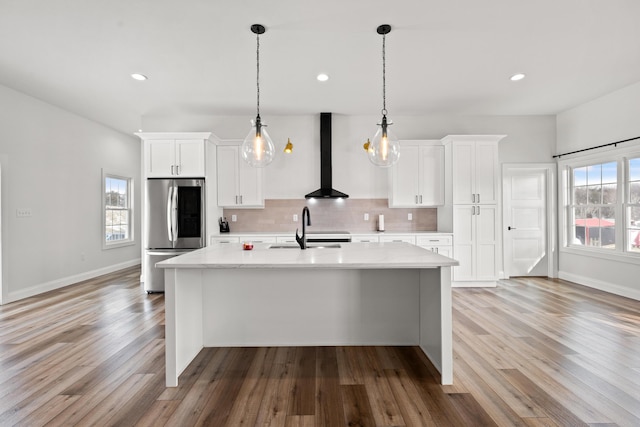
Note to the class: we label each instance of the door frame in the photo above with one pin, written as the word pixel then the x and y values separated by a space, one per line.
pixel 550 199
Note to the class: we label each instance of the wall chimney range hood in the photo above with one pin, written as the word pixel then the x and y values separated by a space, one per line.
pixel 326 190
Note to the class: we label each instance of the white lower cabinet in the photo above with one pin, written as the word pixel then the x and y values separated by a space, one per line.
pixel 440 244
pixel 476 243
pixel 256 238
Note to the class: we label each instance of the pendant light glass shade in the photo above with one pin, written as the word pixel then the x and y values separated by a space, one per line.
pixel 257 148
pixel 384 149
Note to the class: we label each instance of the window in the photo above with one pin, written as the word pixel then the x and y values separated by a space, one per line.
pixel 632 207
pixel 593 207
pixel 602 203
pixel 117 208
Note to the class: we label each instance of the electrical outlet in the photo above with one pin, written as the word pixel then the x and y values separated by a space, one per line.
pixel 366 217
pixel 295 217
pixel 234 218
pixel 23 212
pixel 410 217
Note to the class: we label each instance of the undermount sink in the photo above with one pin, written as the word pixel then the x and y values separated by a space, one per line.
pixel 308 246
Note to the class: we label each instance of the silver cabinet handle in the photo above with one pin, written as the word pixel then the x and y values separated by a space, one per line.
pixel 421 199
pixel 415 199
pixel 478 198
pixel 172 166
pixel 478 211
pixel 241 199
pixel 236 200
pixel 473 198
pixel 177 169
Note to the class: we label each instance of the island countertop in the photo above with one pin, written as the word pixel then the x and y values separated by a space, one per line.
pixel 348 256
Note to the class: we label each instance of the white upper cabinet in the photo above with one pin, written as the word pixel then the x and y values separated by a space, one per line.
pixel 475 172
pixel 417 179
pixel 239 185
pixel 175 158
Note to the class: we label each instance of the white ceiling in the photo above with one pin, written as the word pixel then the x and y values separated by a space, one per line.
pixel 443 57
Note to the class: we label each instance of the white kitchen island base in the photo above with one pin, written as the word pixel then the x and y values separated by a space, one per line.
pixel 312 306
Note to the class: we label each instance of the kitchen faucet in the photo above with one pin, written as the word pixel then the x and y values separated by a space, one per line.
pixel 302 240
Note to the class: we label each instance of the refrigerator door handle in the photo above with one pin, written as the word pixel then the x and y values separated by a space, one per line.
pixel 174 210
pixel 170 214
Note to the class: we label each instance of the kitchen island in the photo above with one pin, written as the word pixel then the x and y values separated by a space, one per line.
pixel 354 294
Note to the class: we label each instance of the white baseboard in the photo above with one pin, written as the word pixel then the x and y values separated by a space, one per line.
pixel 600 285
pixel 66 281
pixel 477 284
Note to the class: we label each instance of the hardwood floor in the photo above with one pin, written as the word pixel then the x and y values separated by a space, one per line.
pixel 531 352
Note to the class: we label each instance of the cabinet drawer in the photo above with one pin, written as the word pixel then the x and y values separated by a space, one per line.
pixel 229 239
pixel 257 239
pixel 364 238
pixel 286 239
pixel 434 240
pixel 409 238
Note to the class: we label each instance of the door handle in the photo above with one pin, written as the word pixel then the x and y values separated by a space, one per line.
pixel 511 228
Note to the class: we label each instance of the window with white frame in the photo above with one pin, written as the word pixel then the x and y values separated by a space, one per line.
pixel 602 202
pixel 593 205
pixel 632 205
pixel 117 210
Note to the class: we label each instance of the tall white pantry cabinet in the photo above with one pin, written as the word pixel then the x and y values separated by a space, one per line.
pixel 472 208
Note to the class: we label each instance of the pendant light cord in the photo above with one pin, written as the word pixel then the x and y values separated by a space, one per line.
pixel 384 76
pixel 258 74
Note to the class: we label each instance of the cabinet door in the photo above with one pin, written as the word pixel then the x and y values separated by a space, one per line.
pixel 160 158
pixel 463 172
pixel 431 179
pixel 486 240
pixel 464 245
pixel 250 185
pixel 190 158
pixel 487 167
pixel 405 176
pixel 227 173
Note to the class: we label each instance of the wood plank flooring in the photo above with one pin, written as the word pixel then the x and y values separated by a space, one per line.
pixel 531 352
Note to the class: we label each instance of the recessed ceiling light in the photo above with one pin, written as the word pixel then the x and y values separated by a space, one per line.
pixel 322 77
pixel 138 76
pixel 517 77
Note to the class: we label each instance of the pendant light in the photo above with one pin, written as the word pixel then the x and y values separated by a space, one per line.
pixel 258 149
pixel 384 149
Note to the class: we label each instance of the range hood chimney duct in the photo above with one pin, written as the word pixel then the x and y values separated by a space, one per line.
pixel 326 190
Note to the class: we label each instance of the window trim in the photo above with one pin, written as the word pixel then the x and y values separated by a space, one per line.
pixel 117 243
pixel 565 166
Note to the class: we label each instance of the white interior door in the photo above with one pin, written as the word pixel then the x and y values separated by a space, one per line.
pixel 525 221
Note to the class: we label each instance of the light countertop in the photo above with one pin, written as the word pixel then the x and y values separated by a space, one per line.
pixel 348 256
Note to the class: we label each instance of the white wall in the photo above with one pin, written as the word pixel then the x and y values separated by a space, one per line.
pixel 607 119
pixel 51 163
pixel 529 139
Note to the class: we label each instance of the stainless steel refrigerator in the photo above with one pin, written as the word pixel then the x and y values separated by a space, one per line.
pixel 174 224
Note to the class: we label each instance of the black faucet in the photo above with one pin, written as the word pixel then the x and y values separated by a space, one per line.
pixel 302 240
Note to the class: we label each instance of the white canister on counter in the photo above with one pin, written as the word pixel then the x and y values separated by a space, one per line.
pixel 381 222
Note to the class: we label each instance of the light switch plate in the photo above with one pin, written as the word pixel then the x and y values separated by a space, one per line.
pixel 295 217
pixel 366 217
pixel 410 217
pixel 234 218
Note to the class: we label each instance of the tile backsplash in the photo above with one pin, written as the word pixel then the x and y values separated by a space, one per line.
pixel 332 215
